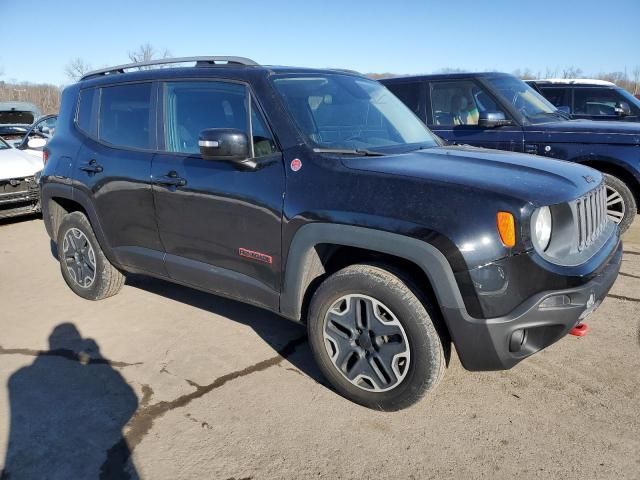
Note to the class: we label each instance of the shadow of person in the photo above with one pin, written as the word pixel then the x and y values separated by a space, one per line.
pixel 68 408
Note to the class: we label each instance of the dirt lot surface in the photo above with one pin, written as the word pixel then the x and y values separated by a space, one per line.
pixel 164 382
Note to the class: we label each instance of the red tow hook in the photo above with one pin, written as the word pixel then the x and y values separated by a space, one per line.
pixel 579 330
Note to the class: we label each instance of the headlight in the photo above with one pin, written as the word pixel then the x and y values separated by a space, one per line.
pixel 541 225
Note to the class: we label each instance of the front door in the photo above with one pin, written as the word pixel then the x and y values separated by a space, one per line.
pixel 453 114
pixel 220 224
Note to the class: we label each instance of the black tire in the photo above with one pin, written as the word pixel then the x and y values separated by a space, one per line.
pixel 626 207
pixel 107 280
pixel 427 358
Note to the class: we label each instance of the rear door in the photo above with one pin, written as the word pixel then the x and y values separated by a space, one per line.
pixel 113 169
pixel 453 111
pixel 221 228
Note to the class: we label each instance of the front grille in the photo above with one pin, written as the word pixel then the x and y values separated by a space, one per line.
pixel 591 210
pixel 17 185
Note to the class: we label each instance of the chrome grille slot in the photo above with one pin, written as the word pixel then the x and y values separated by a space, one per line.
pixel 592 216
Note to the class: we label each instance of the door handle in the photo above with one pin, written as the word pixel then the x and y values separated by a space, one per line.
pixel 91 167
pixel 171 179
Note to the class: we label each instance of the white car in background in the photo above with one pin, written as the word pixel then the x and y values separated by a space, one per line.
pixel 37 136
pixel 19 192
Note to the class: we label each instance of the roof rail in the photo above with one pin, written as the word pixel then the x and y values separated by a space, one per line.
pixel 199 61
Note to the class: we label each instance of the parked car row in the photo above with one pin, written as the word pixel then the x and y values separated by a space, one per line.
pixel 499 111
pixel 320 196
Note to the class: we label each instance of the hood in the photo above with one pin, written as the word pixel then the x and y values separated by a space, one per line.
pixel 590 131
pixel 17 164
pixel 527 178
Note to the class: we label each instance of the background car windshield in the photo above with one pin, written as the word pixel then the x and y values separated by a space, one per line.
pixel 16 116
pixel 346 112
pixel 529 103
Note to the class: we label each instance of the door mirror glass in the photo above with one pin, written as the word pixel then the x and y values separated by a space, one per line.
pixel 493 119
pixel 35 143
pixel 223 144
pixel 623 109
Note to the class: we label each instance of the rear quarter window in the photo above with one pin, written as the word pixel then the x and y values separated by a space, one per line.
pixel 86 117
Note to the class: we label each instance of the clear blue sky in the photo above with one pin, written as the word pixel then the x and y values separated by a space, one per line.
pixel 39 38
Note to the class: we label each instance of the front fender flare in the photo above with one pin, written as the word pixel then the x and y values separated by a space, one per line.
pixel 303 259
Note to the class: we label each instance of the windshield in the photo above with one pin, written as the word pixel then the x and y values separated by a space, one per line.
pixel 16 116
pixel 345 112
pixel 3 145
pixel 529 103
pixel 631 100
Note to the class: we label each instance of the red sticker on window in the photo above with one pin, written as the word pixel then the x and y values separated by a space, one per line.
pixel 296 164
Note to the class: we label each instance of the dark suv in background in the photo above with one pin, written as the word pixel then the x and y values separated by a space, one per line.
pixel 318 195
pixel 590 99
pixel 497 110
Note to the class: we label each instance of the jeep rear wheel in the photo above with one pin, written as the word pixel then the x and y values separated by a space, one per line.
pixel 621 204
pixel 374 339
pixel 82 263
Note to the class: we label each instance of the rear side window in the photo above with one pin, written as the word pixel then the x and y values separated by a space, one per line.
pixel 87 118
pixel 125 116
pixel 559 97
pixel 409 93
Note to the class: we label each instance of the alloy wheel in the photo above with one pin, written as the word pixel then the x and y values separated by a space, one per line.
pixel 366 343
pixel 79 257
pixel 615 205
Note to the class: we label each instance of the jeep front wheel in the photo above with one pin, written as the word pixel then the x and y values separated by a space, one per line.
pixel 373 338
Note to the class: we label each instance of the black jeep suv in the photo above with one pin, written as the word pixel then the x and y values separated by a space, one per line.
pixel 496 110
pixel 318 195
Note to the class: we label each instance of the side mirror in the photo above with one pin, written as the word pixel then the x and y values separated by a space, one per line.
pixel 623 109
pixel 224 144
pixel 36 143
pixel 492 119
pixel 565 109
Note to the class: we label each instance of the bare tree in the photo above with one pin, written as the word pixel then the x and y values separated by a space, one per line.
pixel 147 52
pixel 636 80
pixel 571 72
pixel 76 68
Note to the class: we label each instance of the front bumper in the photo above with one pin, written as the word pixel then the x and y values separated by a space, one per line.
pixel 500 343
pixel 19 203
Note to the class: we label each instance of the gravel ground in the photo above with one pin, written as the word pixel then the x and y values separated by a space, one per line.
pixel 162 381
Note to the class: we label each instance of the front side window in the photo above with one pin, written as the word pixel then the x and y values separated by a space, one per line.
pixel 601 101
pixel 530 105
pixel 191 107
pixel 125 115
pixel 336 111
pixel 459 103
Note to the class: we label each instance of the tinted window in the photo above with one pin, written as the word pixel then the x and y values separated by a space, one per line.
pixel 559 97
pixel 125 115
pixel 599 101
pixel 87 118
pixel 191 107
pixel 263 143
pixel 459 103
pixel 409 93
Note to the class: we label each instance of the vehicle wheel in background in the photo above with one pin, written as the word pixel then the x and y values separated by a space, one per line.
pixel 621 204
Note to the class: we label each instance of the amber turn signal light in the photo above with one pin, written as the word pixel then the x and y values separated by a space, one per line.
pixel 506 228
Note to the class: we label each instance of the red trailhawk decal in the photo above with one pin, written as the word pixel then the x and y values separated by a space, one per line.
pixel 261 257
pixel 296 164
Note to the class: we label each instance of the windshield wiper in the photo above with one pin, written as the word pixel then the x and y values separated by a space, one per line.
pixel 346 151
